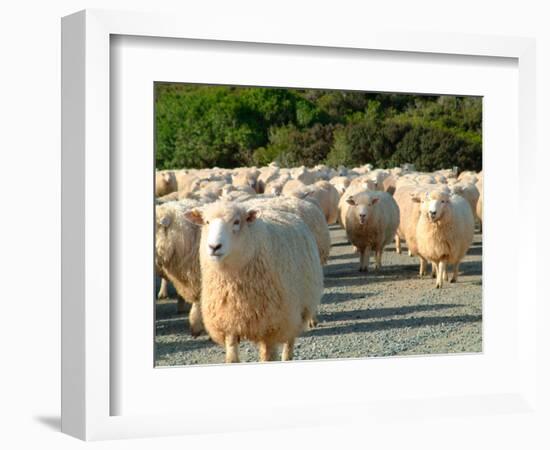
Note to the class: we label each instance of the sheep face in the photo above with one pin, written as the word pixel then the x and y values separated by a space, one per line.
pixel 225 232
pixel 433 205
pixel 362 207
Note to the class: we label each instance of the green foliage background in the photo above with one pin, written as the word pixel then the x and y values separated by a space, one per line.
pixel 199 126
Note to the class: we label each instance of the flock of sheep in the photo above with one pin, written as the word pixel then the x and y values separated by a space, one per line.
pixel 245 247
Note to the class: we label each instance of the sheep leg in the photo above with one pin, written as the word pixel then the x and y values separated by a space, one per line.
pixel 397 244
pixel 446 275
pixel 441 271
pixel 288 350
pixel 181 305
pixel 163 290
pixel 410 253
pixel 434 270
pixel 378 259
pixel 454 279
pixel 231 349
pixel 423 270
pixel 195 319
pixel 364 260
pixel 267 351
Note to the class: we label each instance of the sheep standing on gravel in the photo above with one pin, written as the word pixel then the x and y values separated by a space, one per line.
pixel 371 224
pixel 409 212
pixel 445 230
pixel 177 255
pixel 261 277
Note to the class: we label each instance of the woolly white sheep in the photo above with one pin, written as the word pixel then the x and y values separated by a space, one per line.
pixel 371 224
pixel 444 231
pixel 177 255
pixel 165 182
pixel 326 197
pixel 341 183
pixel 261 277
pixel 409 212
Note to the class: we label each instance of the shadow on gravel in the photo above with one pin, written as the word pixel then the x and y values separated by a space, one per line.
pixel 338 297
pixel 165 310
pixel 339 244
pixel 344 256
pixel 413 322
pixel 349 275
pixel 175 325
pixel 169 348
pixel 475 250
pixel 469 268
pixel 383 312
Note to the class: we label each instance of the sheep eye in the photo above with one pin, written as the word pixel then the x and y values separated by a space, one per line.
pixel 237 222
pixel 207 222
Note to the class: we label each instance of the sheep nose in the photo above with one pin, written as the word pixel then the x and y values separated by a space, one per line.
pixel 215 248
pixel 432 213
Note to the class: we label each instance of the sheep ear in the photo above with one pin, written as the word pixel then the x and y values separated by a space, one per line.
pixel 165 221
pixel 251 215
pixel 375 200
pixel 350 201
pixel 414 197
pixel 194 216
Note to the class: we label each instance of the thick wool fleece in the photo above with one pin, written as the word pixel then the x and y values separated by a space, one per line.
pixel 269 286
pixel 449 238
pixel 325 195
pixel 380 226
pixel 308 211
pixel 177 248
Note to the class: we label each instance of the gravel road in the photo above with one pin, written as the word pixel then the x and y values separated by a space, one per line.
pixel 384 313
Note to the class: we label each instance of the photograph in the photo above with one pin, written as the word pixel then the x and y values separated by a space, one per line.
pixel 311 224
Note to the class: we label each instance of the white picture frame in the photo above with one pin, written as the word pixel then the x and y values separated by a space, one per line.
pixel 87 383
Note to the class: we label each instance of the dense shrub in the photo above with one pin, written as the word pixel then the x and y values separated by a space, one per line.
pixel 204 126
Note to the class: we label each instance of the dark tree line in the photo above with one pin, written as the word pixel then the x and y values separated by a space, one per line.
pixel 205 126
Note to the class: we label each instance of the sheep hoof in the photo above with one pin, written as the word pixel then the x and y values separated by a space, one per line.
pixel 438 286
pixel 313 323
pixel 196 332
pixel 162 295
pixel 453 280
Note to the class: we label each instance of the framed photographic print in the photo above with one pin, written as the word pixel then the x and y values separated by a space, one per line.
pixel 323 211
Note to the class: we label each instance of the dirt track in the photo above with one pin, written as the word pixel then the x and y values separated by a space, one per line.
pixel 390 312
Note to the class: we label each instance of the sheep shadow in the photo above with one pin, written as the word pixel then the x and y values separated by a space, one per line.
pixel 163 349
pixel 349 275
pixel 392 324
pixel 382 312
pixel 343 256
pixel 467 268
pixel 340 244
pixel 340 297
pixel 176 325
pixel 475 250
